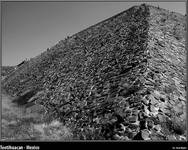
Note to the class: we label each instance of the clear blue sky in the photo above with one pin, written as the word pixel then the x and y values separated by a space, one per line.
pixel 29 28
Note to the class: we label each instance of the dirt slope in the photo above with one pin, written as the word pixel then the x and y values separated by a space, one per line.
pixel 21 123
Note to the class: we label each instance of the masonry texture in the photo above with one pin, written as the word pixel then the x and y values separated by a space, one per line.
pixel 121 79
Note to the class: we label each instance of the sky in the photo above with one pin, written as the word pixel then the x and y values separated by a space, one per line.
pixel 29 28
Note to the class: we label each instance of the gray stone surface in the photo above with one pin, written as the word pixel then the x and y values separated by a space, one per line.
pixel 121 79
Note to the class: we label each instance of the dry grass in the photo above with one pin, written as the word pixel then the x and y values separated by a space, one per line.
pixel 19 123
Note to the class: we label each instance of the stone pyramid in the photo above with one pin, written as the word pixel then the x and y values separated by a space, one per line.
pixel 121 79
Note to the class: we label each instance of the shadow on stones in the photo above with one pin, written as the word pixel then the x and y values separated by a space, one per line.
pixel 23 99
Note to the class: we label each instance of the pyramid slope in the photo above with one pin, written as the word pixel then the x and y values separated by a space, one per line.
pixel 105 82
pixel 166 72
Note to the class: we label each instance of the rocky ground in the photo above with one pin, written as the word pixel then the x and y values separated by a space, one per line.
pixel 121 79
pixel 23 123
pixel 5 70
